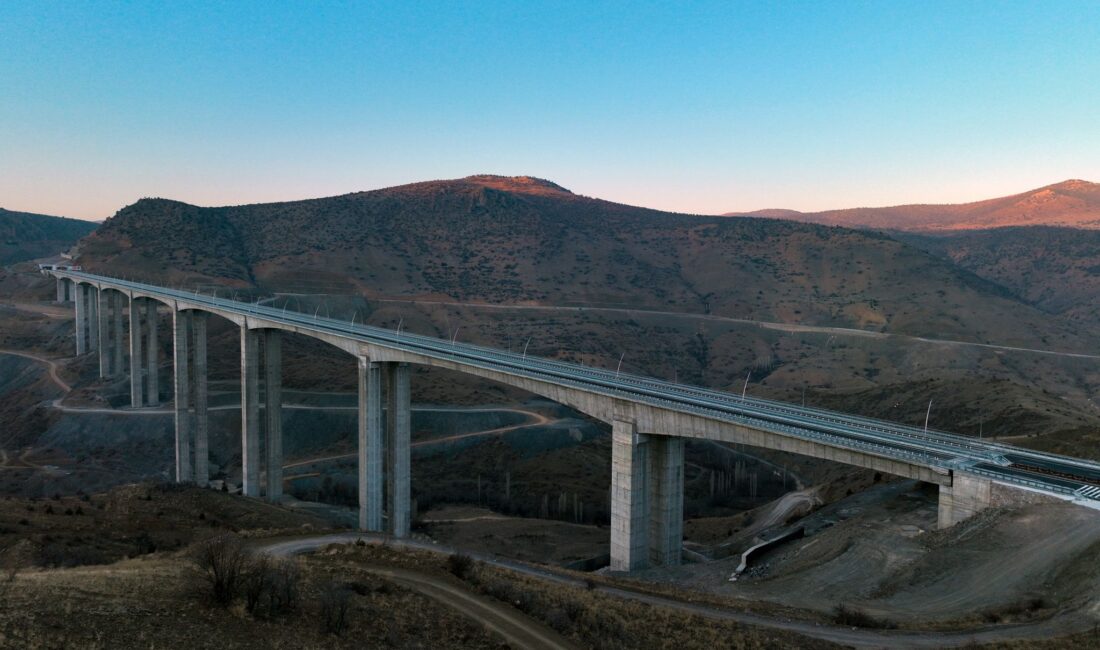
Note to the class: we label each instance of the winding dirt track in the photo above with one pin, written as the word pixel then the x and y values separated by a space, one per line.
pixel 785 327
pixel 54 377
pixel 518 630
pixel 853 637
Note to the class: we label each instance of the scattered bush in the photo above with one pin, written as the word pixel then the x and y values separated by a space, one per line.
pixel 334 603
pixel 222 562
pixel 460 565
pixel 844 615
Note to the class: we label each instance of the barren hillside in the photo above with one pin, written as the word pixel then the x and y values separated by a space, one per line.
pixel 1073 203
pixel 25 236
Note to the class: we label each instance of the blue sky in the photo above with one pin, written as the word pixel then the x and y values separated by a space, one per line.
pixel 690 106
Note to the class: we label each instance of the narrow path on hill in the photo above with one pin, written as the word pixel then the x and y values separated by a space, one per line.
pixel 785 327
pixel 518 629
pixel 52 365
pixel 1059 625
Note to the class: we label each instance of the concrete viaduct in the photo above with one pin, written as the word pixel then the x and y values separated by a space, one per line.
pixel 650 419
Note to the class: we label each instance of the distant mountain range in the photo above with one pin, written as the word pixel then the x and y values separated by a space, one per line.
pixel 26 236
pixel 525 240
pixel 1072 203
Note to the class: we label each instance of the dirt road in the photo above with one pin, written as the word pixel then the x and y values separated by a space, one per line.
pixel 517 629
pixel 854 637
pixel 50 363
pixel 784 327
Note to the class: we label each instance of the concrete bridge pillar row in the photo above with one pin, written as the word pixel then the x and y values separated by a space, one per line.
pixel 80 306
pixel 136 378
pixel 273 412
pixel 152 353
pixel 398 450
pixel 202 419
pixel 965 497
pixel 370 445
pixel 181 326
pixel 250 412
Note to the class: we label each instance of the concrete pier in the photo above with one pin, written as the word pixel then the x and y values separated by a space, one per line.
pixel 398 451
pixel 370 445
pixel 137 383
pixel 181 325
pixel 152 354
pixel 80 305
pixel 202 415
pixel 273 412
pixel 117 352
pixel 629 496
pixel 103 332
pixel 666 499
pixel 91 295
pixel 61 289
pixel 964 498
pixel 250 412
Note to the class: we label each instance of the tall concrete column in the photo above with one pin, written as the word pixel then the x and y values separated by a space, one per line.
pixel 67 285
pixel 250 412
pixel 398 416
pixel 136 379
pixel 103 331
pixel 117 355
pixel 80 304
pixel 61 290
pixel 370 445
pixel 92 296
pixel 666 499
pixel 273 412
pixel 181 325
pixel 965 497
pixel 629 496
pixel 152 354
pixel 202 420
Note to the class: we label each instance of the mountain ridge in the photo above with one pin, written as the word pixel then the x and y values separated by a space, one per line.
pixel 28 235
pixel 1072 203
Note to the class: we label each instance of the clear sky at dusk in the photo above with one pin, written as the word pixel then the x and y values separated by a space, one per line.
pixel 697 107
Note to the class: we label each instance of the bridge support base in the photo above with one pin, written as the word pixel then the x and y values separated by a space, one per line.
pixel 964 498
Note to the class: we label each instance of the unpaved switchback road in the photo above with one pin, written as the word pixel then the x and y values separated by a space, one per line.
pixel 50 363
pixel 518 629
pixel 849 636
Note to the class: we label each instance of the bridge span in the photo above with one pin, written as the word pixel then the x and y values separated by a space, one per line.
pixel 650 418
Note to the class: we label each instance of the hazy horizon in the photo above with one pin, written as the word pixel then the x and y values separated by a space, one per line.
pixel 726 107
